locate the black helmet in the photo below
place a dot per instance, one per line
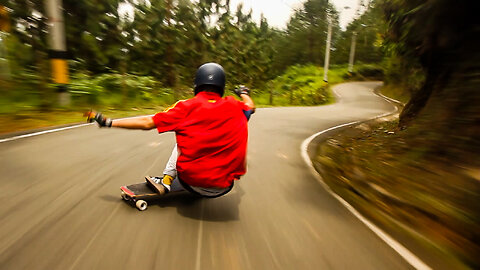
(211, 74)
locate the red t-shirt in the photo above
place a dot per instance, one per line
(212, 137)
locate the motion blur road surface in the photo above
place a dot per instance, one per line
(60, 205)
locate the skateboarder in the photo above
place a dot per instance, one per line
(211, 133)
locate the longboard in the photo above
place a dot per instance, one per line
(139, 194)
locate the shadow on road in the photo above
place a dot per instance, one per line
(219, 209)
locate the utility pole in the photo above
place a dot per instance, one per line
(352, 52)
(4, 65)
(4, 19)
(58, 49)
(4, 27)
(327, 49)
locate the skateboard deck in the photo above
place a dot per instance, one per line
(139, 194)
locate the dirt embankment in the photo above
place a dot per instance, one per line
(400, 181)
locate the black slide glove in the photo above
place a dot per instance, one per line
(241, 89)
(99, 118)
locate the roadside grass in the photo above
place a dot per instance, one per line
(23, 106)
(31, 119)
(301, 86)
(297, 86)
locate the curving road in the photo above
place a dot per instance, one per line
(60, 205)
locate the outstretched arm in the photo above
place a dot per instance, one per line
(144, 122)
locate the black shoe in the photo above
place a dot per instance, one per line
(157, 185)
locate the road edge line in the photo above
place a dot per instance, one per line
(53, 130)
(40, 133)
(406, 254)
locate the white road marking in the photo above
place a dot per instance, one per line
(399, 248)
(390, 99)
(199, 239)
(155, 144)
(337, 94)
(41, 132)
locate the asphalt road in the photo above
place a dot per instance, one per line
(60, 205)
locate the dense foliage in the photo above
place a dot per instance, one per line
(421, 45)
(368, 28)
(165, 40)
(299, 85)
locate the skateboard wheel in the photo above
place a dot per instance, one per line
(141, 205)
(124, 196)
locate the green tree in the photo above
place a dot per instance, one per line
(304, 40)
(93, 33)
(29, 34)
(369, 28)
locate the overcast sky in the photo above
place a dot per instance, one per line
(278, 12)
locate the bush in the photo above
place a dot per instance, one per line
(371, 71)
(299, 85)
(85, 90)
(116, 90)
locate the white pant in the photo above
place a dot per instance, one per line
(171, 169)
